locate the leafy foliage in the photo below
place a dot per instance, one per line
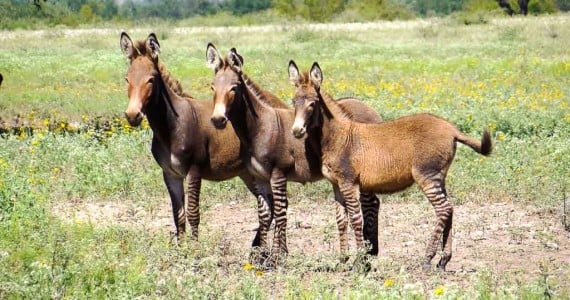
(315, 10)
(378, 10)
(28, 14)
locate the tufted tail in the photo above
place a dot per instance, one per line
(483, 147)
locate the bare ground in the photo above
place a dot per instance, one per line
(505, 239)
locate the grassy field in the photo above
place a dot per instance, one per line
(84, 213)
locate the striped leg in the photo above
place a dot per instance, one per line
(351, 194)
(370, 207)
(193, 184)
(434, 189)
(341, 219)
(279, 190)
(175, 188)
(262, 192)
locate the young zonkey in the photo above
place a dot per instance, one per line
(381, 158)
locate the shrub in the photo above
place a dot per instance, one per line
(379, 10)
(536, 7)
(314, 10)
(473, 6)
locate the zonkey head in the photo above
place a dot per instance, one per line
(141, 74)
(306, 98)
(227, 81)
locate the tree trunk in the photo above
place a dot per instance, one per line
(523, 4)
(38, 4)
(505, 5)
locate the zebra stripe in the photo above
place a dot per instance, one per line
(342, 225)
(279, 188)
(370, 206)
(434, 189)
(193, 184)
(262, 193)
(351, 195)
(341, 219)
(265, 217)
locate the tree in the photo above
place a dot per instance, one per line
(241, 7)
(526, 6)
(314, 10)
(38, 3)
(504, 4)
(523, 5)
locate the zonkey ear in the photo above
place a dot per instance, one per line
(316, 75)
(236, 60)
(127, 45)
(294, 77)
(153, 46)
(213, 57)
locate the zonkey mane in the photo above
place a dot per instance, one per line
(167, 78)
(340, 110)
(263, 95)
(335, 110)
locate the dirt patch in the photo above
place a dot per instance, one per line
(503, 238)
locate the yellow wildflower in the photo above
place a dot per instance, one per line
(248, 267)
(500, 136)
(35, 143)
(439, 290)
(22, 135)
(389, 282)
(258, 272)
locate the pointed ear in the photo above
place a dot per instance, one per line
(294, 76)
(236, 60)
(127, 45)
(316, 75)
(213, 58)
(153, 46)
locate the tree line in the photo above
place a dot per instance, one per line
(75, 12)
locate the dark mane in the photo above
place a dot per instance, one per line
(169, 80)
(340, 109)
(261, 94)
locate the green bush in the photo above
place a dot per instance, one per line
(536, 7)
(480, 5)
(366, 10)
(563, 5)
(314, 10)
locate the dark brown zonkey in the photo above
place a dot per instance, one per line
(381, 158)
(275, 155)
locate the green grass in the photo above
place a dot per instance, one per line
(512, 75)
